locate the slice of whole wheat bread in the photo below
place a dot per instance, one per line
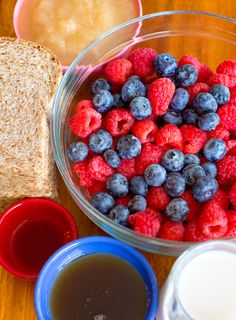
(29, 76)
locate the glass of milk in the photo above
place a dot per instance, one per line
(202, 284)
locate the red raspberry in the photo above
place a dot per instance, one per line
(171, 230)
(170, 136)
(84, 104)
(150, 153)
(232, 194)
(233, 134)
(213, 220)
(160, 93)
(81, 169)
(193, 234)
(85, 122)
(231, 215)
(98, 186)
(227, 67)
(194, 206)
(204, 73)
(226, 170)
(144, 223)
(156, 214)
(127, 168)
(194, 138)
(220, 132)
(142, 59)
(99, 169)
(195, 89)
(118, 71)
(188, 59)
(227, 114)
(145, 131)
(157, 198)
(217, 78)
(231, 232)
(222, 198)
(231, 147)
(123, 200)
(118, 122)
(233, 95)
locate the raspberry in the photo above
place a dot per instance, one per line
(204, 73)
(118, 122)
(217, 78)
(156, 214)
(232, 195)
(144, 223)
(99, 169)
(150, 153)
(118, 71)
(123, 200)
(222, 198)
(171, 230)
(192, 233)
(157, 198)
(233, 95)
(188, 59)
(170, 136)
(226, 170)
(160, 93)
(195, 89)
(194, 205)
(85, 122)
(231, 147)
(145, 131)
(127, 168)
(231, 232)
(213, 220)
(84, 104)
(194, 138)
(227, 67)
(227, 114)
(98, 186)
(220, 132)
(142, 59)
(231, 215)
(81, 169)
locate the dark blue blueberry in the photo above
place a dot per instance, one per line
(186, 75)
(103, 202)
(208, 121)
(214, 149)
(190, 116)
(117, 185)
(204, 102)
(100, 84)
(177, 210)
(137, 204)
(112, 158)
(128, 147)
(118, 102)
(131, 89)
(191, 159)
(138, 185)
(173, 160)
(192, 172)
(140, 108)
(165, 64)
(155, 175)
(100, 141)
(204, 189)
(220, 93)
(175, 184)
(210, 169)
(180, 99)
(119, 214)
(103, 101)
(173, 117)
(77, 151)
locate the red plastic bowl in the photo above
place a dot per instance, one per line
(30, 231)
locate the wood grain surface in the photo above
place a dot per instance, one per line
(16, 296)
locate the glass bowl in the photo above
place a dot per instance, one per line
(212, 38)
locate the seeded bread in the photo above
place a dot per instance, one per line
(29, 76)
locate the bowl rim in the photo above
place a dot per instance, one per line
(124, 233)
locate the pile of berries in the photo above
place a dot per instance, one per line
(157, 146)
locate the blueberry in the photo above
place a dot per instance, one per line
(214, 149)
(103, 101)
(165, 64)
(131, 89)
(180, 99)
(117, 185)
(128, 147)
(118, 102)
(191, 159)
(204, 188)
(138, 185)
(172, 117)
(140, 108)
(137, 204)
(112, 158)
(220, 93)
(186, 75)
(103, 202)
(192, 172)
(155, 175)
(190, 116)
(173, 160)
(175, 184)
(208, 121)
(204, 102)
(100, 84)
(134, 76)
(100, 141)
(177, 210)
(119, 214)
(210, 169)
(77, 151)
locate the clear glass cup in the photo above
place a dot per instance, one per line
(212, 38)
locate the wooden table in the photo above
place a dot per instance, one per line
(16, 296)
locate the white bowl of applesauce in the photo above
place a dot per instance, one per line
(67, 27)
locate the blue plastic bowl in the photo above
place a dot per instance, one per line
(86, 246)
